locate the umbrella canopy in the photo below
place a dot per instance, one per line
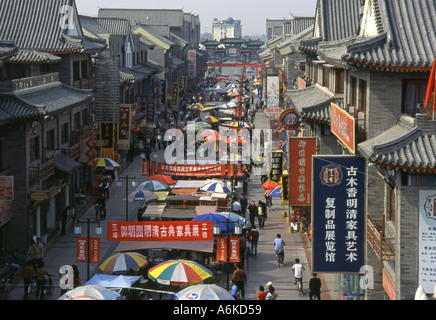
(238, 124)
(194, 126)
(218, 219)
(204, 292)
(276, 193)
(107, 164)
(179, 273)
(153, 185)
(196, 106)
(122, 262)
(233, 217)
(270, 185)
(200, 119)
(204, 125)
(142, 196)
(91, 292)
(165, 179)
(112, 281)
(211, 119)
(217, 187)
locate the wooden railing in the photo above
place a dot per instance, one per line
(383, 247)
(74, 151)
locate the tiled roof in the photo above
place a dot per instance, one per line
(36, 25)
(312, 103)
(33, 56)
(13, 108)
(411, 143)
(7, 49)
(407, 35)
(115, 26)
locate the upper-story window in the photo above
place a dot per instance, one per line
(413, 95)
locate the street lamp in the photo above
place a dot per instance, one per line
(98, 231)
(134, 184)
(217, 232)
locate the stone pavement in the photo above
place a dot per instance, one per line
(260, 269)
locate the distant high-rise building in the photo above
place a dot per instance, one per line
(222, 29)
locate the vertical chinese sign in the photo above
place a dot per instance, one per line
(192, 64)
(82, 250)
(124, 128)
(301, 151)
(427, 240)
(174, 95)
(343, 127)
(222, 248)
(338, 214)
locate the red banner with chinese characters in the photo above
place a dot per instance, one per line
(160, 231)
(145, 167)
(301, 151)
(94, 250)
(82, 249)
(221, 249)
(181, 170)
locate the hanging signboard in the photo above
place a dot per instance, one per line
(343, 127)
(272, 92)
(124, 128)
(7, 188)
(150, 109)
(182, 170)
(145, 168)
(160, 231)
(338, 214)
(276, 166)
(427, 240)
(290, 119)
(234, 250)
(301, 151)
(82, 250)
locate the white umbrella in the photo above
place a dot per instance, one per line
(204, 292)
(91, 292)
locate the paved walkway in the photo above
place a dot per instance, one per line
(260, 269)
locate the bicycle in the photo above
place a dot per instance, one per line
(299, 286)
(280, 258)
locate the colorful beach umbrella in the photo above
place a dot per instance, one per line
(180, 273)
(107, 164)
(120, 263)
(276, 193)
(211, 119)
(270, 185)
(193, 126)
(165, 179)
(196, 106)
(217, 219)
(153, 185)
(142, 196)
(91, 292)
(204, 292)
(200, 119)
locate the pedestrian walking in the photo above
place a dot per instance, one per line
(253, 235)
(252, 212)
(37, 253)
(102, 206)
(272, 295)
(244, 203)
(104, 187)
(314, 288)
(262, 294)
(40, 275)
(64, 219)
(261, 214)
(27, 273)
(234, 290)
(240, 278)
(236, 206)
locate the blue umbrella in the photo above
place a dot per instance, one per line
(276, 193)
(233, 217)
(216, 219)
(153, 185)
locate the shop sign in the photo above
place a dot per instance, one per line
(40, 195)
(290, 119)
(427, 240)
(7, 188)
(221, 252)
(82, 250)
(301, 151)
(338, 214)
(160, 231)
(343, 127)
(181, 170)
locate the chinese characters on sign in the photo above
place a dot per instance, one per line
(160, 231)
(276, 166)
(192, 63)
(124, 128)
(82, 250)
(427, 240)
(338, 221)
(191, 170)
(221, 251)
(343, 127)
(301, 151)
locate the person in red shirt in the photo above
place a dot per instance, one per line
(262, 294)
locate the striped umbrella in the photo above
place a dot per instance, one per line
(211, 119)
(180, 273)
(142, 196)
(196, 106)
(153, 185)
(200, 119)
(204, 292)
(107, 163)
(217, 187)
(122, 262)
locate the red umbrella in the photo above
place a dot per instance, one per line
(271, 185)
(162, 178)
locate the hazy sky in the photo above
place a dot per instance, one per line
(252, 13)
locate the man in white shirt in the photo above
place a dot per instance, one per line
(236, 207)
(298, 269)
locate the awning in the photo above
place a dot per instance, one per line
(201, 246)
(189, 184)
(183, 191)
(176, 213)
(66, 164)
(205, 209)
(154, 211)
